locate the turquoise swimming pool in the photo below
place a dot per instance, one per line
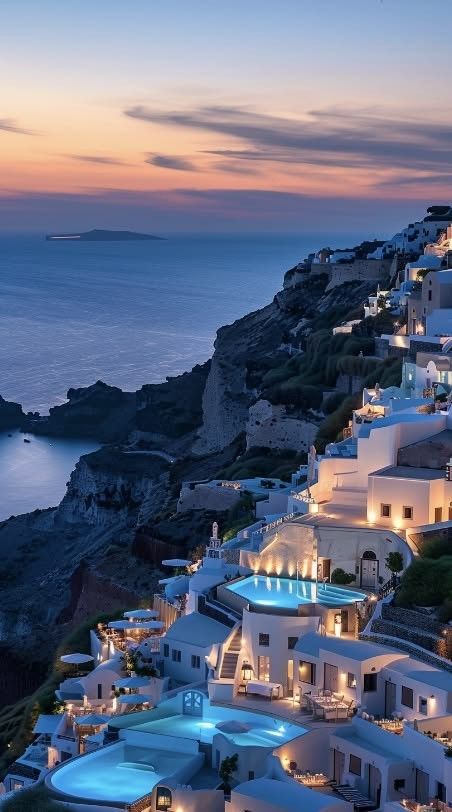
(287, 593)
(264, 730)
(120, 772)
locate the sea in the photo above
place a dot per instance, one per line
(127, 313)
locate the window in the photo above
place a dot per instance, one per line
(264, 639)
(354, 765)
(164, 799)
(165, 650)
(370, 683)
(430, 296)
(263, 668)
(306, 672)
(385, 511)
(99, 690)
(407, 512)
(195, 661)
(176, 655)
(423, 705)
(291, 642)
(438, 514)
(351, 680)
(399, 784)
(250, 775)
(407, 697)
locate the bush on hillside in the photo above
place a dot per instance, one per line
(426, 582)
(331, 428)
(333, 402)
(436, 546)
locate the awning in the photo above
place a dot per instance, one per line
(47, 723)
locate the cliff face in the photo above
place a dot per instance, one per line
(11, 415)
(113, 486)
(103, 412)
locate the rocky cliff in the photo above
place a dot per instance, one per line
(11, 415)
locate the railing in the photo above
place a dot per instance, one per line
(217, 611)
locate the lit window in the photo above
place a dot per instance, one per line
(306, 672)
(351, 680)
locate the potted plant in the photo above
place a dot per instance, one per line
(227, 767)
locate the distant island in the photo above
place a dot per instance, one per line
(103, 235)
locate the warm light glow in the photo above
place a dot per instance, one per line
(372, 516)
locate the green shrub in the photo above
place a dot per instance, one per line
(426, 582)
(333, 402)
(436, 547)
(339, 576)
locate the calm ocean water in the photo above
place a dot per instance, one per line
(128, 313)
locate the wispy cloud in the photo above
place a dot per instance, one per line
(9, 125)
(98, 159)
(331, 137)
(236, 168)
(171, 162)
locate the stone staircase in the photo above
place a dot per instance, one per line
(231, 655)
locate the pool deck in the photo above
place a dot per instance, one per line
(282, 708)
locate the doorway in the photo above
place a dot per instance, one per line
(374, 784)
(390, 698)
(192, 703)
(369, 570)
(422, 784)
(338, 766)
(330, 675)
(290, 677)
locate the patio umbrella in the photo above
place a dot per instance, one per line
(134, 699)
(131, 682)
(120, 624)
(176, 562)
(141, 614)
(232, 726)
(92, 720)
(76, 658)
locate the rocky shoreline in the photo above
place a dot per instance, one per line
(196, 425)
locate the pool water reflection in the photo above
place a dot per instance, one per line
(288, 593)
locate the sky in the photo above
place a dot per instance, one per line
(249, 115)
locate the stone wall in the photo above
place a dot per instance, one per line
(385, 639)
(412, 635)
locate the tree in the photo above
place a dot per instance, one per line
(227, 767)
(394, 562)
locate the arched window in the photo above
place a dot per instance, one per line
(369, 555)
(163, 799)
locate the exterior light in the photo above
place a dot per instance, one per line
(372, 516)
(247, 671)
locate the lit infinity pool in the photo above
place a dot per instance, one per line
(118, 773)
(263, 730)
(287, 593)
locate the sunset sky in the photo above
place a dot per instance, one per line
(195, 115)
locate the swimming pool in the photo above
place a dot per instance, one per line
(120, 772)
(287, 593)
(265, 730)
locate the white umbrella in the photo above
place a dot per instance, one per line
(131, 682)
(141, 614)
(76, 658)
(134, 699)
(120, 624)
(92, 720)
(176, 562)
(233, 726)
